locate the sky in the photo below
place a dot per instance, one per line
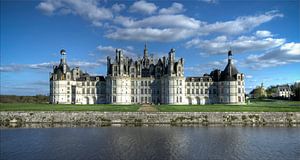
(264, 37)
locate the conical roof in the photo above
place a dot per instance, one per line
(229, 73)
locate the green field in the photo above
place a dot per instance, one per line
(254, 106)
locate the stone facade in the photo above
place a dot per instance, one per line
(146, 80)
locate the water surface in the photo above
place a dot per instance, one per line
(165, 142)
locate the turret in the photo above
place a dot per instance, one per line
(171, 61)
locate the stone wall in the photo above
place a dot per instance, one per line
(151, 117)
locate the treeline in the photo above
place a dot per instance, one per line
(24, 99)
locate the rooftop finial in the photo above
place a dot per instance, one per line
(63, 52)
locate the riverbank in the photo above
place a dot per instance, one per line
(107, 118)
(254, 106)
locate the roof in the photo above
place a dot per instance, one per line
(229, 73)
(197, 79)
(60, 67)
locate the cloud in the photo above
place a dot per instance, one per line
(151, 34)
(47, 66)
(285, 54)
(206, 68)
(118, 7)
(209, 1)
(263, 34)
(143, 7)
(249, 76)
(159, 21)
(169, 28)
(241, 24)
(89, 10)
(110, 51)
(222, 44)
(174, 9)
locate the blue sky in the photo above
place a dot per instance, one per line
(264, 37)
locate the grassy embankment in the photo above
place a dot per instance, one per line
(254, 106)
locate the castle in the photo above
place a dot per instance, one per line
(145, 80)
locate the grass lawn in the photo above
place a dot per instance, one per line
(254, 106)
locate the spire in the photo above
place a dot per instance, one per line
(145, 51)
(229, 56)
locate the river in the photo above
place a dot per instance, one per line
(151, 142)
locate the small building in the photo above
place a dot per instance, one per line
(284, 91)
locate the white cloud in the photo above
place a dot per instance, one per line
(174, 9)
(118, 7)
(110, 51)
(249, 76)
(275, 57)
(241, 24)
(263, 34)
(46, 7)
(47, 66)
(168, 28)
(222, 44)
(151, 34)
(207, 67)
(159, 21)
(143, 7)
(89, 10)
(209, 1)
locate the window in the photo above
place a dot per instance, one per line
(93, 90)
(146, 83)
(188, 91)
(132, 83)
(149, 91)
(132, 91)
(114, 98)
(192, 91)
(142, 83)
(83, 91)
(132, 99)
(239, 83)
(88, 84)
(239, 90)
(205, 84)
(188, 84)
(197, 91)
(180, 99)
(114, 90)
(142, 91)
(83, 83)
(88, 91)
(180, 91)
(206, 91)
(180, 82)
(114, 82)
(146, 91)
